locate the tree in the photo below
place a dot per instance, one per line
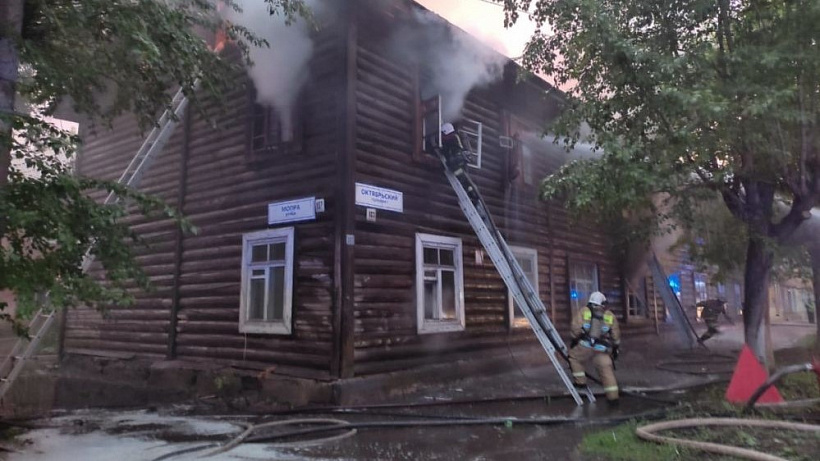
(101, 59)
(690, 98)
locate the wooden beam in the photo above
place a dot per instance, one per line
(180, 237)
(344, 263)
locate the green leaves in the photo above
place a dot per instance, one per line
(101, 59)
(687, 98)
(52, 219)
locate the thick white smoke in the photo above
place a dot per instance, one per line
(279, 70)
(456, 61)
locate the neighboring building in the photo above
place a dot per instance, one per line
(792, 301)
(348, 292)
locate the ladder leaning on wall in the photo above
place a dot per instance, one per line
(524, 294)
(42, 321)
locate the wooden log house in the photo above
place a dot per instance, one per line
(344, 291)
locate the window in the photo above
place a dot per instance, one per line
(701, 293)
(439, 284)
(430, 123)
(267, 282)
(270, 131)
(527, 258)
(472, 135)
(583, 281)
(701, 290)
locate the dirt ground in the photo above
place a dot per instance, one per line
(157, 434)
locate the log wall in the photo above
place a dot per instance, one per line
(386, 335)
(193, 313)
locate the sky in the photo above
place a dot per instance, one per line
(485, 21)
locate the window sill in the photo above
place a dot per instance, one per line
(432, 327)
(265, 328)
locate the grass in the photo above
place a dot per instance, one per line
(799, 386)
(621, 444)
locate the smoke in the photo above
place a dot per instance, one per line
(557, 151)
(280, 69)
(456, 62)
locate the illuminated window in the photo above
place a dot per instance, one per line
(527, 258)
(701, 289)
(267, 282)
(439, 284)
(583, 281)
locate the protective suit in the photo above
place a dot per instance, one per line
(456, 157)
(712, 310)
(597, 336)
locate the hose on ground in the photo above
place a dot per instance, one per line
(773, 379)
(334, 424)
(350, 429)
(649, 433)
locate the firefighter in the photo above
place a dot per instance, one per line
(455, 156)
(712, 309)
(596, 335)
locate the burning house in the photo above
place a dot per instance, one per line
(329, 242)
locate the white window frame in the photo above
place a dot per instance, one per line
(526, 252)
(596, 282)
(472, 133)
(269, 236)
(425, 326)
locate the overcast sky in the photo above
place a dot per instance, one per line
(485, 21)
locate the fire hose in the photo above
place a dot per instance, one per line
(349, 429)
(780, 374)
(649, 432)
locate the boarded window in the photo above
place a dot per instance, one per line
(439, 284)
(267, 282)
(527, 258)
(583, 281)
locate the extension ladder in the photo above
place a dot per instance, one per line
(671, 301)
(522, 291)
(44, 318)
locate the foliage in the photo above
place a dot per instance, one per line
(131, 51)
(686, 97)
(689, 99)
(53, 220)
(99, 59)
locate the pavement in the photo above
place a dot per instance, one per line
(528, 389)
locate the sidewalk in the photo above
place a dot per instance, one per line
(649, 362)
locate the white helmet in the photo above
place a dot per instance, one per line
(447, 128)
(597, 298)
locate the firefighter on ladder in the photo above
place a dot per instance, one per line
(596, 335)
(456, 157)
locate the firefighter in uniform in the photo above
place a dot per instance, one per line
(596, 335)
(712, 309)
(456, 157)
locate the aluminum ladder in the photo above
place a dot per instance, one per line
(522, 290)
(44, 318)
(671, 301)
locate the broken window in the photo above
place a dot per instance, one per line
(527, 258)
(439, 282)
(271, 131)
(267, 282)
(583, 281)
